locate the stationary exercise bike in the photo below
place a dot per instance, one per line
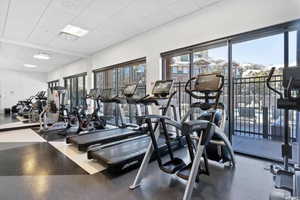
(286, 178)
(88, 115)
(56, 118)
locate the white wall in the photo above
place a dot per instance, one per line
(78, 67)
(226, 18)
(19, 85)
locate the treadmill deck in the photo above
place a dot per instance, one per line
(100, 137)
(124, 153)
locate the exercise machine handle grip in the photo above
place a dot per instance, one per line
(187, 86)
(269, 80)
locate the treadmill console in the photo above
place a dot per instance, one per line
(162, 88)
(106, 93)
(129, 90)
(93, 93)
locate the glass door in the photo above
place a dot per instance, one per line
(177, 68)
(211, 60)
(258, 124)
(75, 91)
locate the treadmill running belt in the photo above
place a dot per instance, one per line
(118, 153)
(83, 141)
(117, 156)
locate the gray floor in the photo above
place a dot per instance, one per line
(4, 119)
(249, 181)
(36, 171)
(262, 148)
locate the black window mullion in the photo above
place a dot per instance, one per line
(191, 68)
(117, 80)
(77, 90)
(230, 92)
(298, 48)
(95, 79)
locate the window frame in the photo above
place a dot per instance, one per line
(284, 28)
(118, 66)
(70, 79)
(53, 83)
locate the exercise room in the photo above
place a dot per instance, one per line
(149, 99)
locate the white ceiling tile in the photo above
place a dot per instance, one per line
(72, 7)
(99, 11)
(22, 17)
(15, 56)
(57, 16)
(181, 8)
(3, 11)
(38, 23)
(203, 3)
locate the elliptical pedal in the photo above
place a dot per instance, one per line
(173, 166)
(184, 173)
(284, 180)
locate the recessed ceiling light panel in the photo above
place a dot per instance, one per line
(74, 30)
(68, 36)
(30, 65)
(42, 56)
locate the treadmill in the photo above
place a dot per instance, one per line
(84, 141)
(125, 154)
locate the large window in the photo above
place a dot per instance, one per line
(52, 84)
(75, 90)
(181, 67)
(106, 80)
(116, 77)
(255, 125)
(255, 112)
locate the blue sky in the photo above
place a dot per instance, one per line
(266, 51)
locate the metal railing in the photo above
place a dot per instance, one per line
(255, 112)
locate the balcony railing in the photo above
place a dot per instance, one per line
(255, 112)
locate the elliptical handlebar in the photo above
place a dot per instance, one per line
(269, 80)
(143, 98)
(169, 103)
(222, 81)
(188, 84)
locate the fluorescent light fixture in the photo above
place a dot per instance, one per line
(74, 30)
(30, 65)
(68, 36)
(42, 56)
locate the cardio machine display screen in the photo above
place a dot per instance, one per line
(106, 93)
(162, 87)
(129, 89)
(93, 93)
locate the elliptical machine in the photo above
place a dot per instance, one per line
(37, 107)
(286, 178)
(202, 135)
(55, 117)
(31, 107)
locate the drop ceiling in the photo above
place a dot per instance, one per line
(28, 27)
